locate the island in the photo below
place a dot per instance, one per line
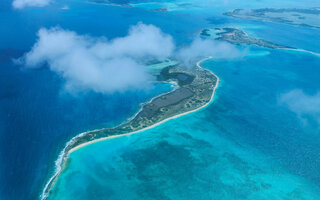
(238, 37)
(122, 3)
(294, 16)
(127, 3)
(195, 89)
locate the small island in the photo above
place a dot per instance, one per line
(122, 3)
(126, 3)
(195, 89)
(238, 37)
(294, 16)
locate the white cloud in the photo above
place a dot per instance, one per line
(20, 4)
(97, 64)
(106, 66)
(305, 106)
(200, 48)
(65, 7)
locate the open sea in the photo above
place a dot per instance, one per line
(247, 144)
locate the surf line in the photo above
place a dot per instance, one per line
(60, 163)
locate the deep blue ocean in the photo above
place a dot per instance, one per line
(245, 145)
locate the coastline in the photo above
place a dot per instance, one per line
(245, 39)
(60, 162)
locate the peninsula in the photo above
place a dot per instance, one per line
(195, 90)
(309, 17)
(238, 37)
(126, 3)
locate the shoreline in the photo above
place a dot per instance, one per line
(60, 162)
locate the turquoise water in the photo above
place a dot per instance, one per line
(245, 138)
(245, 145)
(37, 118)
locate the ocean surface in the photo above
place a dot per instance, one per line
(242, 146)
(247, 144)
